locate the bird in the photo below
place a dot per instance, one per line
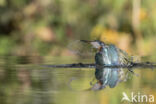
(108, 54)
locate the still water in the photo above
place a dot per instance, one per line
(25, 81)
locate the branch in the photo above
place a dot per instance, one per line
(92, 65)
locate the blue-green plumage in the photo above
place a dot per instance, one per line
(107, 55)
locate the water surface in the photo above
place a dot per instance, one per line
(23, 80)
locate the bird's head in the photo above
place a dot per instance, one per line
(95, 43)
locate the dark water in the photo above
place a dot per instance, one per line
(25, 81)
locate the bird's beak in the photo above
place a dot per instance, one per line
(95, 44)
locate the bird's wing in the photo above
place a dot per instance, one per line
(124, 58)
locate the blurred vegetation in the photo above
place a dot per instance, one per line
(37, 27)
(33, 28)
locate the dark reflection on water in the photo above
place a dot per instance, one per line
(29, 83)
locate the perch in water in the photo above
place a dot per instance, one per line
(109, 64)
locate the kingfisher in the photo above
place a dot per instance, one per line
(108, 54)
